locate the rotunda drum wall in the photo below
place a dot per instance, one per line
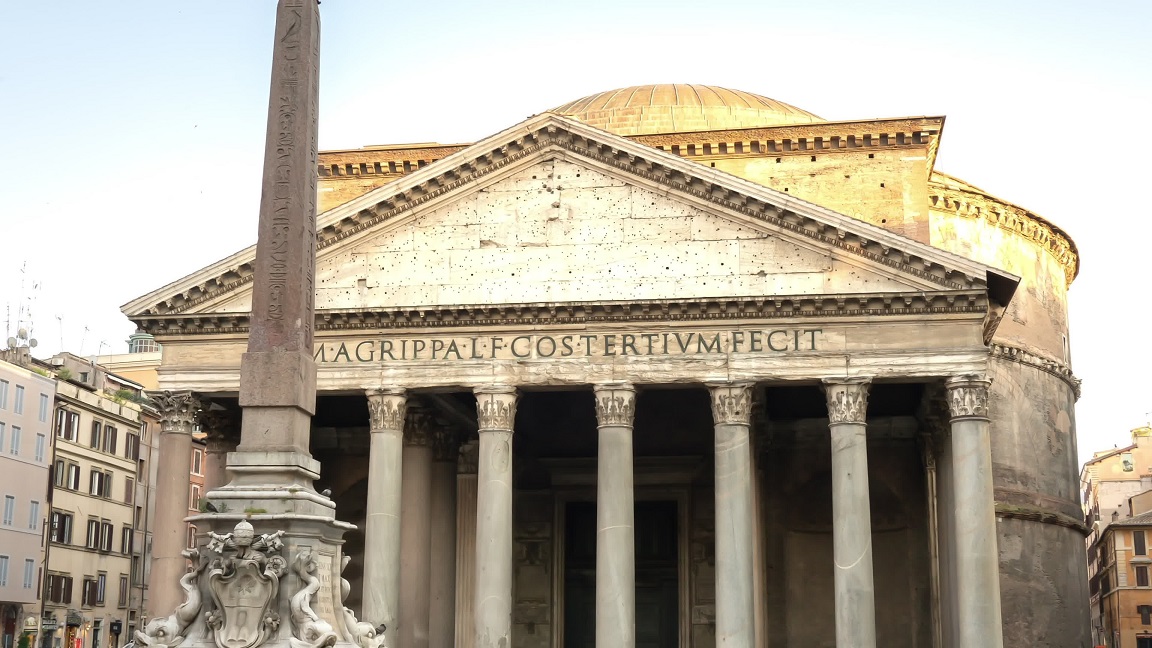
(1037, 318)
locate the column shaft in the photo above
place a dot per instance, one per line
(387, 411)
(731, 412)
(169, 538)
(466, 545)
(415, 532)
(977, 557)
(496, 409)
(442, 579)
(851, 514)
(615, 518)
(222, 429)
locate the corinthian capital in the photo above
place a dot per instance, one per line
(847, 400)
(386, 409)
(615, 404)
(731, 403)
(496, 407)
(177, 410)
(968, 396)
(418, 427)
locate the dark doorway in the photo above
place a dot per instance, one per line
(657, 575)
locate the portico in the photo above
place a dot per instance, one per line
(637, 402)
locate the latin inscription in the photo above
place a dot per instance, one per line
(575, 345)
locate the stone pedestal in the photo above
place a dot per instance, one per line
(169, 538)
(851, 514)
(466, 544)
(976, 554)
(496, 411)
(731, 412)
(615, 517)
(387, 409)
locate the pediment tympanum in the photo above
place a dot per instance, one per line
(555, 212)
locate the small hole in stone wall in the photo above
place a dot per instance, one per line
(577, 175)
(785, 188)
(713, 165)
(813, 158)
(778, 160)
(881, 185)
(883, 220)
(871, 155)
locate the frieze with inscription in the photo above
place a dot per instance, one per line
(575, 345)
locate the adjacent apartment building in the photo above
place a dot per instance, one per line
(96, 560)
(26, 399)
(1117, 490)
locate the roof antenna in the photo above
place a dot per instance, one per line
(83, 339)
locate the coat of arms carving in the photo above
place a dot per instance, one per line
(244, 581)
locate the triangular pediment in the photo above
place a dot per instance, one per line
(554, 212)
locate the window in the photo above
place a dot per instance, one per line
(1138, 542)
(100, 483)
(194, 498)
(44, 401)
(59, 589)
(126, 540)
(73, 481)
(41, 442)
(88, 593)
(191, 535)
(3, 394)
(197, 462)
(1145, 612)
(92, 540)
(3, 571)
(61, 530)
(1142, 576)
(101, 588)
(67, 424)
(1, 436)
(18, 402)
(122, 598)
(132, 446)
(9, 509)
(110, 439)
(29, 572)
(129, 489)
(15, 447)
(106, 533)
(34, 516)
(97, 428)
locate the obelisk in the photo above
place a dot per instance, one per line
(277, 374)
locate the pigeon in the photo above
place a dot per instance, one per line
(209, 506)
(327, 492)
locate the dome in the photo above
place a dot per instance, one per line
(680, 107)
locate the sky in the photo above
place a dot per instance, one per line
(132, 132)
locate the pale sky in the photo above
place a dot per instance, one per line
(132, 131)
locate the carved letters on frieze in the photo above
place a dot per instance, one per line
(847, 400)
(731, 403)
(615, 404)
(496, 408)
(968, 396)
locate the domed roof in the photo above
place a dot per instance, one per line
(680, 107)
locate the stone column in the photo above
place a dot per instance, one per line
(177, 414)
(496, 411)
(415, 530)
(466, 544)
(442, 579)
(731, 411)
(851, 513)
(221, 427)
(615, 518)
(387, 410)
(976, 554)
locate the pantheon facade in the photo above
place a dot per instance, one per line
(678, 366)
